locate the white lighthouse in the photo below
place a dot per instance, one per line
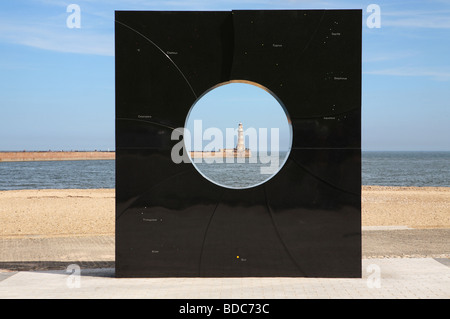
(238, 151)
(240, 148)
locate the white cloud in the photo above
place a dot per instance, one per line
(416, 19)
(437, 74)
(383, 56)
(57, 37)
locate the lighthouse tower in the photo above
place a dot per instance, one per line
(240, 148)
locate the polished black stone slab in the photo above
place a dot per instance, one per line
(306, 220)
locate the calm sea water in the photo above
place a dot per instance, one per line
(242, 175)
(57, 174)
(378, 168)
(406, 168)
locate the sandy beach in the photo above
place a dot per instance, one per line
(68, 212)
(414, 207)
(75, 212)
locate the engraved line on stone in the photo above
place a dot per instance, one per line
(167, 56)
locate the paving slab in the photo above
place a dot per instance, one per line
(404, 278)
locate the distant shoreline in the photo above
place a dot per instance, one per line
(56, 156)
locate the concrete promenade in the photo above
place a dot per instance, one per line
(392, 267)
(404, 278)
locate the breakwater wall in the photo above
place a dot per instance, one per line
(55, 156)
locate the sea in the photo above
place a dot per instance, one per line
(378, 168)
(242, 172)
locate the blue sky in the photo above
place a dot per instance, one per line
(57, 84)
(224, 107)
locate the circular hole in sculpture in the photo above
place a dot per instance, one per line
(238, 135)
